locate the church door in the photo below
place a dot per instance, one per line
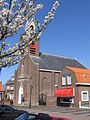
(20, 94)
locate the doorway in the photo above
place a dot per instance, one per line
(42, 99)
(20, 94)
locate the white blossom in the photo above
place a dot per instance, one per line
(13, 15)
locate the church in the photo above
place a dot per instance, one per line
(37, 78)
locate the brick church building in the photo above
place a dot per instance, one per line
(43, 79)
(38, 77)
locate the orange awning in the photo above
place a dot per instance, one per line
(64, 92)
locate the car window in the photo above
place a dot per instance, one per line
(23, 117)
(26, 116)
(31, 117)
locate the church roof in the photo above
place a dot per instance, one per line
(57, 63)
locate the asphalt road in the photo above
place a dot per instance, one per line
(73, 113)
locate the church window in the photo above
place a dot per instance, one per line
(22, 67)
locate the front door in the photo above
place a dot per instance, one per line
(20, 94)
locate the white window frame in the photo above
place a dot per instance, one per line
(87, 95)
(68, 80)
(63, 83)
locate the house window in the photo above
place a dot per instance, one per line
(84, 95)
(63, 80)
(68, 80)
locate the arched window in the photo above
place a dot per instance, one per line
(22, 68)
(63, 80)
(68, 79)
(45, 86)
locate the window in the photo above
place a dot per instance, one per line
(8, 87)
(84, 95)
(22, 67)
(68, 80)
(63, 80)
(66, 100)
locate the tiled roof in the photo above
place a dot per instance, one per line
(1, 88)
(82, 75)
(52, 62)
(10, 82)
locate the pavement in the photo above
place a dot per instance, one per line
(64, 112)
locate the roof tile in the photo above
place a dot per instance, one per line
(82, 75)
(52, 62)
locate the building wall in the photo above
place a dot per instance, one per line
(48, 80)
(78, 89)
(83, 103)
(10, 90)
(29, 78)
(65, 72)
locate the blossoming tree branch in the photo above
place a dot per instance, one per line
(14, 14)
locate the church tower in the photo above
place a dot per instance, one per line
(30, 25)
(34, 47)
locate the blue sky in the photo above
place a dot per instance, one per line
(68, 35)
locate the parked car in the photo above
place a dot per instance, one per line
(9, 113)
(40, 116)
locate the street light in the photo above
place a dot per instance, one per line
(56, 86)
(31, 87)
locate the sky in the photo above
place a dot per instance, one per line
(68, 35)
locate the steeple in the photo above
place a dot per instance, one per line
(34, 47)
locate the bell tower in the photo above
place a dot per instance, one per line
(30, 25)
(34, 47)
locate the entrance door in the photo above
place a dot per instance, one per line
(20, 94)
(42, 99)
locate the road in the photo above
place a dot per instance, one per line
(73, 113)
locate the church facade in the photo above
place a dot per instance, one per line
(38, 77)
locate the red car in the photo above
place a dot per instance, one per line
(58, 118)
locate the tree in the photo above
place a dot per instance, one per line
(14, 14)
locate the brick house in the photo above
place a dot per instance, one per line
(10, 88)
(1, 91)
(74, 87)
(36, 78)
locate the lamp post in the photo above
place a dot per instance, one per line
(31, 87)
(56, 87)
